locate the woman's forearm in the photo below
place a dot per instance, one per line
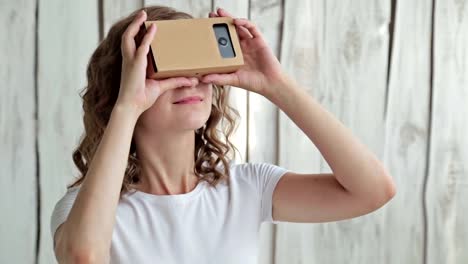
(356, 168)
(91, 220)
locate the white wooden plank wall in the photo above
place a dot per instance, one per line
(18, 160)
(115, 10)
(67, 36)
(447, 185)
(394, 72)
(407, 132)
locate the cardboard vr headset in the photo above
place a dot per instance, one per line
(193, 47)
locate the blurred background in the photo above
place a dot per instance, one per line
(394, 72)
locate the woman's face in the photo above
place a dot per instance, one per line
(166, 114)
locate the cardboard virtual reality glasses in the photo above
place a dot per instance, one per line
(193, 47)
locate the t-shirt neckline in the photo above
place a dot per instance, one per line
(168, 198)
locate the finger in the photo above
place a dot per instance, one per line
(249, 25)
(223, 13)
(221, 79)
(212, 14)
(144, 47)
(128, 37)
(174, 82)
(243, 32)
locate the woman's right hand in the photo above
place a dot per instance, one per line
(136, 91)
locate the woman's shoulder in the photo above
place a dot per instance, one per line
(255, 167)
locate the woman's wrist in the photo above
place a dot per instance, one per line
(280, 86)
(127, 112)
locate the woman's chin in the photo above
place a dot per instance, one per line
(190, 124)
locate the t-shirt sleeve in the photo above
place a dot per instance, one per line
(265, 177)
(62, 209)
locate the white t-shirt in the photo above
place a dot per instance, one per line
(205, 225)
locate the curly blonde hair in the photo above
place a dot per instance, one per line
(100, 95)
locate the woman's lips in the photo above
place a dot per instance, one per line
(190, 101)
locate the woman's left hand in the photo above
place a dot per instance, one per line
(261, 70)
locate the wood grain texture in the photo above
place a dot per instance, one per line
(338, 52)
(407, 132)
(64, 50)
(447, 187)
(196, 8)
(115, 10)
(18, 206)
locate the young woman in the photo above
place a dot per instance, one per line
(156, 184)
